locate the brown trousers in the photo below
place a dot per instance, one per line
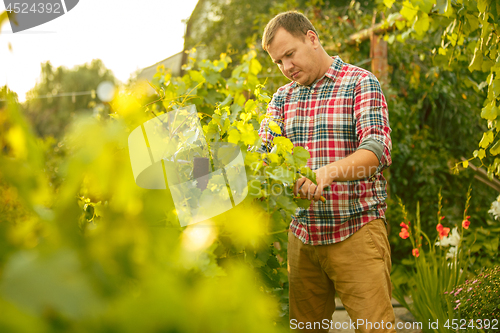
(358, 269)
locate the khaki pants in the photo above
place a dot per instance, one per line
(357, 268)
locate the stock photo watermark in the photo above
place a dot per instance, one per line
(353, 325)
(338, 187)
(26, 14)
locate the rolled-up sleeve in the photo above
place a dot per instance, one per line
(372, 120)
(274, 113)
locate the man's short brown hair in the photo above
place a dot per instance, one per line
(297, 24)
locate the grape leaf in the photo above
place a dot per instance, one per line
(495, 150)
(486, 140)
(408, 11)
(283, 144)
(389, 3)
(300, 156)
(489, 112)
(274, 127)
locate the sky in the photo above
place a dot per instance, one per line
(126, 35)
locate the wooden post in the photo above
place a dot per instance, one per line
(378, 52)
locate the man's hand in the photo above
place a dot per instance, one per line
(308, 190)
(359, 165)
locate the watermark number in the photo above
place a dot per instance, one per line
(41, 7)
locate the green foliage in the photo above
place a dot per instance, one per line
(468, 38)
(483, 247)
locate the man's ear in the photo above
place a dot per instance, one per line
(312, 37)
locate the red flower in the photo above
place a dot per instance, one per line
(465, 224)
(443, 232)
(404, 233)
(415, 252)
(442, 218)
(404, 225)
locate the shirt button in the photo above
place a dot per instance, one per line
(307, 147)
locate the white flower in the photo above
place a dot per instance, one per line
(495, 208)
(452, 253)
(452, 239)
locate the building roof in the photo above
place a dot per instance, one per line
(173, 63)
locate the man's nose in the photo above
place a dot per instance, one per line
(287, 66)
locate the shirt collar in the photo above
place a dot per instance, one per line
(335, 68)
(332, 72)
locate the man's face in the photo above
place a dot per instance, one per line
(296, 57)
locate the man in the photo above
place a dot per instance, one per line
(339, 114)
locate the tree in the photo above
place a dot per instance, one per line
(50, 114)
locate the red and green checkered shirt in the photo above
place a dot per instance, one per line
(331, 119)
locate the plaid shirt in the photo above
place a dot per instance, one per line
(330, 119)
